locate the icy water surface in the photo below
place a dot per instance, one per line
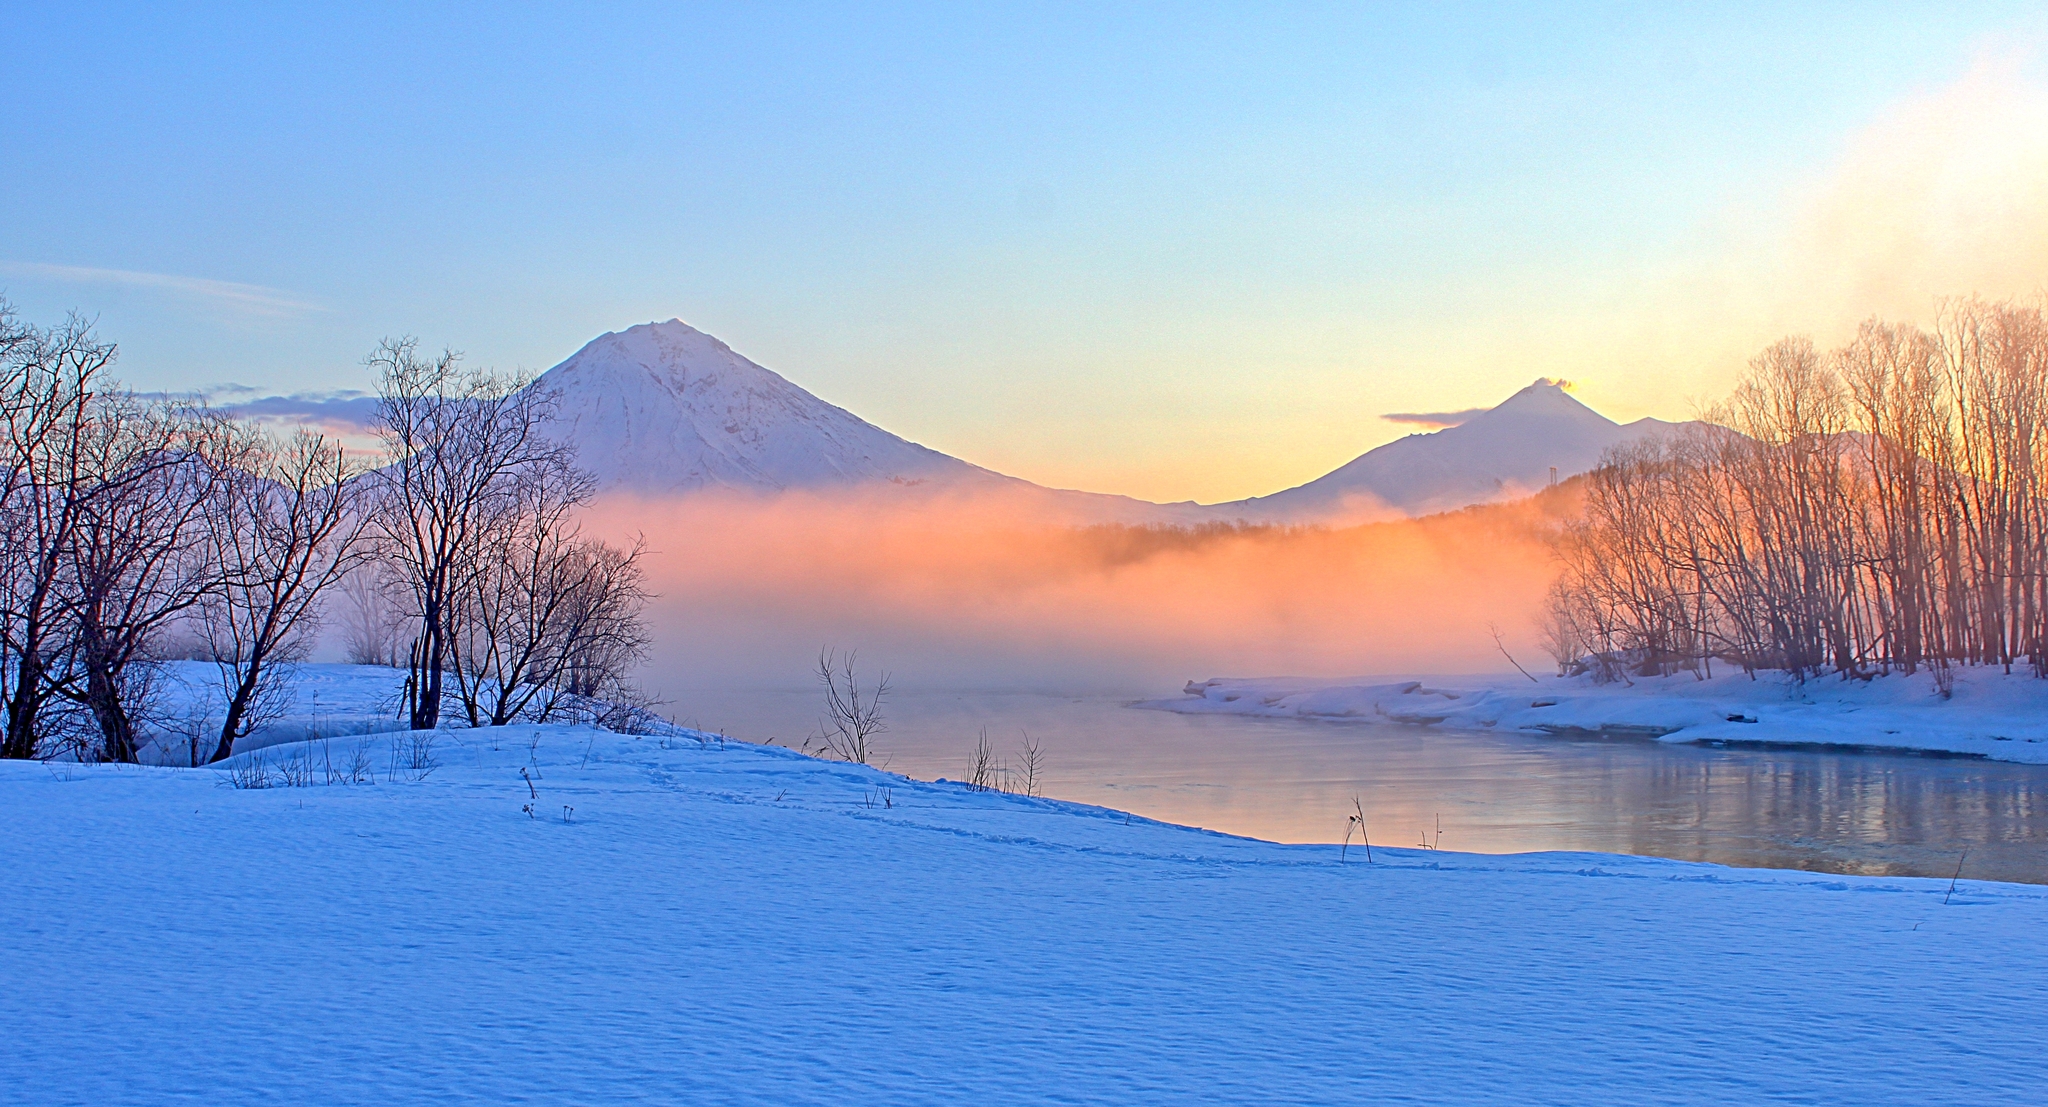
(1293, 781)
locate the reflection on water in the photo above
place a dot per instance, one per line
(1293, 781)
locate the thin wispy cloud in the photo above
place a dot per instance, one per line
(247, 299)
(1437, 419)
(345, 412)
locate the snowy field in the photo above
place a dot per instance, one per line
(1990, 714)
(323, 701)
(676, 920)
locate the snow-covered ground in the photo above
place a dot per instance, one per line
(323, 701)
(680, 919)
(1990, 714)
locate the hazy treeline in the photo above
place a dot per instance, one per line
(1114, 544)
(135, 528)
(1879, 507)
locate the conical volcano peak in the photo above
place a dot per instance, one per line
(674, 331)
(663, 407)
(1509, 450)
(673, 349)
(1547, 396)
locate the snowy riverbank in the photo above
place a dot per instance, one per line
(1991, 714)
(681, 919)
(320, 701)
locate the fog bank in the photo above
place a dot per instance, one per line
(986, 593)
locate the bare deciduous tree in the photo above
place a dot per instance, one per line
(372, 630)
(552, 613)
(461, 443)
(48, 383)
(853, 713)
(136, 555)
(1031, 767)
(140, 566)
(284, 529)
(605, 635)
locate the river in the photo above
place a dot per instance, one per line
(1295, 781)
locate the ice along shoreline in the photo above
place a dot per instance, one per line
(1990, 714)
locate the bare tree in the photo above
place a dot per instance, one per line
(853, 714)
(48, 383)
(1560, 627)
(549, 607)
(461, 444)
(1031, 766)
(605, 636)
(371, 627)
(1902, 411)
(983, 772)
(136, 555)
(283, 530)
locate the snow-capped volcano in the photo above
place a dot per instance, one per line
(1499, 454)
(663, 408)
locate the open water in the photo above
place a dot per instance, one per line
(1488, 792)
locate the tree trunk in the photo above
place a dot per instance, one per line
(426, 670)
(19, 744)
(117, 730)
(238, 708)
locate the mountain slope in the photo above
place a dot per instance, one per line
(1501, 453)
(664, 408)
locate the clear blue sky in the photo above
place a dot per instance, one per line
(1172, 251)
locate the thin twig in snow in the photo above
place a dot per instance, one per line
(1502, 647)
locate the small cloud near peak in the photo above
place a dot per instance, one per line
(1439, 420)
(1433, 419)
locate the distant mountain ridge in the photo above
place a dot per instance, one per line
(1502, 453)
(662, 409)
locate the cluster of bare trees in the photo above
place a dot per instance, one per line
(132, 527)
(476, 518)
(124, 520)
(1880, 507)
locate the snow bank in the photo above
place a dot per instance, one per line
(322, 701)
(1991, 714)
(560, 915)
